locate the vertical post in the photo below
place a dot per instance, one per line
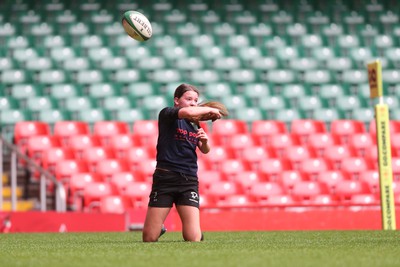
(43, 202)
(61, 198)
(13, 181)
(384, 148)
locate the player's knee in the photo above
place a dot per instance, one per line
(149, 237)
(192, 237)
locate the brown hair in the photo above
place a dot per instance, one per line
(183, 88)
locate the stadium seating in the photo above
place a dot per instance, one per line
(319, 142)
(235, 201)
(37, 146)
(25, 129)
(52, 155)
(112, 204)
(120, 180)
(92, 155)
(76, 186)
(93, 192)
(66, 168)
(220, 190)
(253, 155)
(346, 189)
(304, 191)
(106, 129)
(66, 129)
(262, 130)
(136, 194)
(78, 143)
(75, 87)
(289, 178)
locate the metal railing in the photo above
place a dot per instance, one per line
(45, 176)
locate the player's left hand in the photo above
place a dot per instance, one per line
(202, 135)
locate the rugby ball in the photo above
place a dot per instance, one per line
(137, 26)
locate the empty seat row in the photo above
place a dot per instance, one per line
(221, 129)
(92, 195)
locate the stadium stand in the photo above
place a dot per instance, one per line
(74, 87)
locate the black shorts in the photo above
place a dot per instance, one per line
(172, 187)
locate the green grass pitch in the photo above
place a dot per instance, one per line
(280, 248)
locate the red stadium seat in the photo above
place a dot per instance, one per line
(313, 166)
(279, 142)
(92, 155)
(246, 179)
(262, 130)
(223, 130)
(395, 143)
(205, 202)
(320, 141)
(214, 158)
(322, 200)
(371, 178)
(230, 168)
(261, 191)
(238, 142)
(81, 142)
(78, 181)
(336, 154)
(145, 132)
(396, 187)
(38, 144)
(364, 199)
(112, 204)
(93, 193)
(296, 153)
(283, 200)
(396, 168)
(345, 128)
(271, 168)
(330, 179)
(207, 177)
(145, 170)
(25, 129)
(68, 167)
(54, 154)
(106, 129)
(149, 141)
(220, 190)
(136, 194)
(345, 189)
(361, 142)
(66, 129)
(135, 155)
(354, 166)
(77, 184)
(371, 153)
(306, 190)
(235, 201)
(305, 127)
(289, 178)
(107, 167)
(119, 181)
(121, 143)
(252, 156)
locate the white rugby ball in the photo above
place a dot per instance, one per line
(137, 26)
